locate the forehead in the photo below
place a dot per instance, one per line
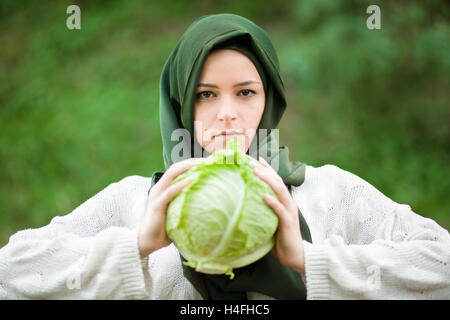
(222, 62)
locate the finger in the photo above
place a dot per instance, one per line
(260, 162)
(266, 165)
(264, 162)
(275, 205)
(173, 191)
(277, 185)
(287, 219)
(254, 163)
(176, 169)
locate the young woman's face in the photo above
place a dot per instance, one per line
(229, 102)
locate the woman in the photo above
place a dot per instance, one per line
(338, 236)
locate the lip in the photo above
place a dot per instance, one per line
(229, 133)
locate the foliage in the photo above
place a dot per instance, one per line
(220, 220)
(79, 108)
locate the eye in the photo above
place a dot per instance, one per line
(204, 95)
(246, 92)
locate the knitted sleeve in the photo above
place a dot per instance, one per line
(366, 246)
(88, 254)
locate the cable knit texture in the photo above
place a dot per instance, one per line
(364, 246)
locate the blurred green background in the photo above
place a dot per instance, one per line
(79, 108)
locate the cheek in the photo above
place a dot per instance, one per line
(261, 106)
(203, 120)
(200, 116)
(253, 113)
(203, 112)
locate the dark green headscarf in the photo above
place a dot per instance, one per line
(179, 80)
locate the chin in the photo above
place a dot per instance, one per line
(220, 144)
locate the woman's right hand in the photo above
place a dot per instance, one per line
(152, 232)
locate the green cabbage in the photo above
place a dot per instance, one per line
(220, 220)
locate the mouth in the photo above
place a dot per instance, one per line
(229, 133)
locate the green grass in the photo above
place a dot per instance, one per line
(79, 108)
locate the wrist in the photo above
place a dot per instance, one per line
(298, 264)
(144, 246)
(300, 268)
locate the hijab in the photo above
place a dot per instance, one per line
(178, 84)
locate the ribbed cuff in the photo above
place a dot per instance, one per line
(316, 270)
(131, 266)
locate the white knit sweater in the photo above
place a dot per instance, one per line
(364, 246)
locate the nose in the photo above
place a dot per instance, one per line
(227, 110)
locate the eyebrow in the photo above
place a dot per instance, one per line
(240, 84)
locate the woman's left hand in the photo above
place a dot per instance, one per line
(288, 248)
